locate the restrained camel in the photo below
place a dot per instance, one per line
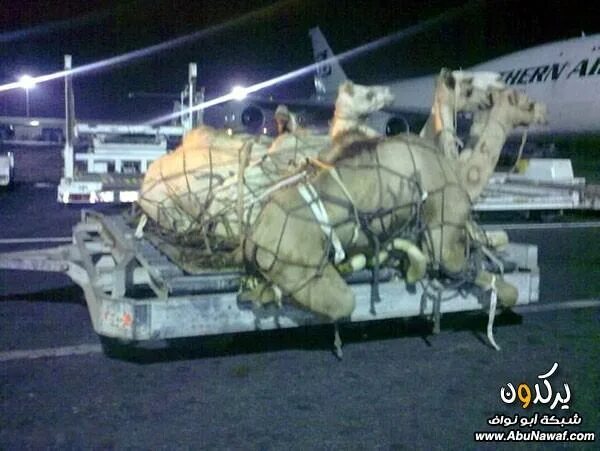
(398, 187)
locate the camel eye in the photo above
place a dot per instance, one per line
(469, 92)
(370, 95)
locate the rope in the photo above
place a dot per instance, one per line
(336, 177)
(277, 186)
(139, 230)
(520, 153)
(493, 258)
(337, 342)
(309, 194)
(492, 314)
(244, 159)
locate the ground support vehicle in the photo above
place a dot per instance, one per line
(546, 184)
(113, 165)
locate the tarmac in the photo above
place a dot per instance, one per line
(398, 386)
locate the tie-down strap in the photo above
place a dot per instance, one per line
(311, 197)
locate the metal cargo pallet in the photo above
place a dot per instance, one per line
(546, 184)
(134, 292)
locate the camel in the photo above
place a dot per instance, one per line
(399, 187)
(457, 91)
(177, 187)
(353, 104)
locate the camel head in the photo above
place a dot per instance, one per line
(467, 91)
(355, 101)
(514, 108)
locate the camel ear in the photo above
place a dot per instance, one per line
(450, 81)
(348, 86)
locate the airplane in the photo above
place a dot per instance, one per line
(564, 75)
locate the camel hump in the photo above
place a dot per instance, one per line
(348, 145)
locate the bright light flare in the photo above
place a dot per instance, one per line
(239, 93)
(27, 82)
(365, 48)
(252, 16)
(34, 123)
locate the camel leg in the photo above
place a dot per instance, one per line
(328, 294)
(447, 213)
(417, 260)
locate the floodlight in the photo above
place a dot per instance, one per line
(26, 82)
(239, 92)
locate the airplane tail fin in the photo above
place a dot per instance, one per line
(328, 74)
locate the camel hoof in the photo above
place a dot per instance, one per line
(497, 239)
(354, 263)
(508, 294)
(417, 260)
(260, 292)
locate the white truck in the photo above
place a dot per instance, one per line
(112, 166)
(110, 169)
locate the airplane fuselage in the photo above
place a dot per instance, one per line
(564, 75)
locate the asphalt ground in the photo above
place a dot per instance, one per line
(398, 386)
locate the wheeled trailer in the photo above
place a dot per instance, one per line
(134, 291)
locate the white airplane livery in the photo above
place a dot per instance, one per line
(565, 75)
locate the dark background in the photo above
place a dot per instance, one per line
(250, 41)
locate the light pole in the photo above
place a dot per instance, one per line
(27, 82)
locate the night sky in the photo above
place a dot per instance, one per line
(251, 41)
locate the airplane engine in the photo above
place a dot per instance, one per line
(243, 117)
(403, 123)
(396, 125)
(388, 124)
(253, 118)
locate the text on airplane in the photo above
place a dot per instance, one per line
(552, 72)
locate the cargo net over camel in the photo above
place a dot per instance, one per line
(300, 212)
